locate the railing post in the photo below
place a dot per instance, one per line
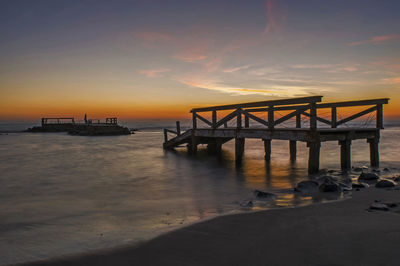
(214, 118)
(225, 125)
(194, 119)
(379, 116)
(313, 116)
(334, 117)
(239, 118)
(271, 121)
(165, 135)
(298, 121)
(178, 127)
(246, 121)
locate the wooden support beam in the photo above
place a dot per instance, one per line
(320, 119)
(218, 146)
(178, 128)
(271, 117)
(288, 116)
(165, 135)
(352, 117)
(313, 156)
(267, 148)
(246, 121)
(193, 145)
(239, 150)
(194, 119)
(379, 116)
(334, 117)
(345, 154)
(226, 119)
(225, 124)
(214, 118)
(293, 149)
(239, 119)
(313, 116)
(374, 151)
(255, 118)
(298, 121)
(204, 120)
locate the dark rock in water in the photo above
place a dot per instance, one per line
(263, 194)
(357, 169)
(391, 204)
(360, 185)
(385, 183)
(368, 176)
(330, 187)
(379, 206)
(347, 180)
(325, 179)
(331, 171)
(345, 187)
(246, 203)
(376, 170)
(307, 186)
(396, 179)
(386, 169)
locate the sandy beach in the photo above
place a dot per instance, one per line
(336, 233)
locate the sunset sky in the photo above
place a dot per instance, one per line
(157, 59)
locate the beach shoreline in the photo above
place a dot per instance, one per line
(335, 233)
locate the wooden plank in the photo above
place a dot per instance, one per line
(276, 108)
(271, 117)
(204, 120)
(260, 104)
(239, 119)
(313, 116)
(178, 127)
(214, 118)
(226, 119)
(345, 120)
(246, 121)
(255, 118)
(194, 119)
(298, 121)
(353, 103)
(288, 116)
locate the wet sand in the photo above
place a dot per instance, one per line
(337, 233)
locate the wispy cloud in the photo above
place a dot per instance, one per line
(274, 17)
(394, 80)
(332, 68)
(152, 38)
(153, 73)
(235, 69)
(377, 40)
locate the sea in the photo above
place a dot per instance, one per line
(62, 195)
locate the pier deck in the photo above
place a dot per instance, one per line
(216, 132)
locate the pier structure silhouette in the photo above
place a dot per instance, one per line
(302, 121)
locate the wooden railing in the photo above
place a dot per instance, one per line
(306, 106)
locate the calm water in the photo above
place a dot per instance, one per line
(62, 194)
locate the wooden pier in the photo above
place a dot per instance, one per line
(215, 132)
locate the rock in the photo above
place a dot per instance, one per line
(325, 179)
(396, 179)
(307, 186)
(357, 169)
(385, 183)
(368, 176)
(246, 203)
(379, 206)
(331, 171)
(360, 185)
(376, 170)
(263, 194)
(386, 169)
(345, 187)
(330, 187)
(391, 204)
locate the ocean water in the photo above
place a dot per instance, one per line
(62, 194)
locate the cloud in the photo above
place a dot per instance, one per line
(274, 17)
(331, 68)
(312, 66)
(152, 38)
(395, 80)
(153, 73)
(235, 69)
(377, 40)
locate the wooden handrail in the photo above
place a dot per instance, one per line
(260, 104)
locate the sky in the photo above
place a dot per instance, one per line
(159, 59)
